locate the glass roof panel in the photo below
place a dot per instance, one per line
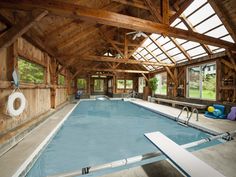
(179, 57)
(152, 47)
(193, 6)
(147, 42)
(201, 14)
(228, 38)
(212, 47)
(169, 45)
(155, 36)
(219, 50)
(163, 40)
(189, 45)
(148, 56)
(182, 26)
(162, 56)
(180, 41)
(143, 52)
(153, 60)
(177, 20)
(198, 56)
(157, 52)
(174, 51)
(196, 51)
(208, 24)
(218, 32)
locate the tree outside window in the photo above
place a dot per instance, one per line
(161, 84)
(30, 72)
(120, 84)
(129, 84)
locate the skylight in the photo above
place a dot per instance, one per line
(200, 17)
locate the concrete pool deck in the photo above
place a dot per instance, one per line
(222, 157)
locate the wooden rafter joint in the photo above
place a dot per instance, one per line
(20, 28)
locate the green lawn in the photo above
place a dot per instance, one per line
(206, 94)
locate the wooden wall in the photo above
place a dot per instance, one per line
(41, 98)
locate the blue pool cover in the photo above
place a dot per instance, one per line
(99, 132)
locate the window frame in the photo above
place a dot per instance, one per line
(117, 83)
(126, 84)
(19, 57)
(158, 83)
(200, 81)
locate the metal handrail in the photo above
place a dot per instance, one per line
(184, 108)
(194, 110)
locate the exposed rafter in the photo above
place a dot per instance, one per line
(163, 50)
(191, 28)
(115, 60)
(165, 11)
(116, 70)
(20, 28)
(133, 3)
(114, 19)
(181, 48)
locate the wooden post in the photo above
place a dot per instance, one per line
(218, 80)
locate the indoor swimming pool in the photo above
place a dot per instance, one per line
(98, 132)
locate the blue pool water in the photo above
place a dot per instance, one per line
(99, 132)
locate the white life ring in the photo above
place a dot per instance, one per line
(10, 104)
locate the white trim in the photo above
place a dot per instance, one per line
(23, 167)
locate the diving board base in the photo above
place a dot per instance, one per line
(184, 160)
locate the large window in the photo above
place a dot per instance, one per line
(30, 72)
(141, 84)
(202, 81)
(81, 84)
(61, 79)
(129, 84)
(120, 84)
(161, 83)
(98, 85)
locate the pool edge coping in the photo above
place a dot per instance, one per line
(28, 163)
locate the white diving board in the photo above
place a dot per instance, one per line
(187, 162)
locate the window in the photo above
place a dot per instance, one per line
(202, 81)
(30, 72)
(161, 83)
(61, 79)
(120, 84)
(81, 84)
(98, 85)
(141, 84)
(129, 84)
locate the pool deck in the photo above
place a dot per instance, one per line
(222, 157)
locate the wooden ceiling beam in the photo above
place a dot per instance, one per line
(163, 50)
(177, 44)
(133, 3)
(116, 70)
(191, 28)
(115, 60)
(106, 37)
(180, 10)
(115, 19)
(165, 12)
(9, 37)
(155, 11)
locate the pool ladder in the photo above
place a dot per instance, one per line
(189, 116)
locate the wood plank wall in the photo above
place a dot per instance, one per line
(39, 97)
